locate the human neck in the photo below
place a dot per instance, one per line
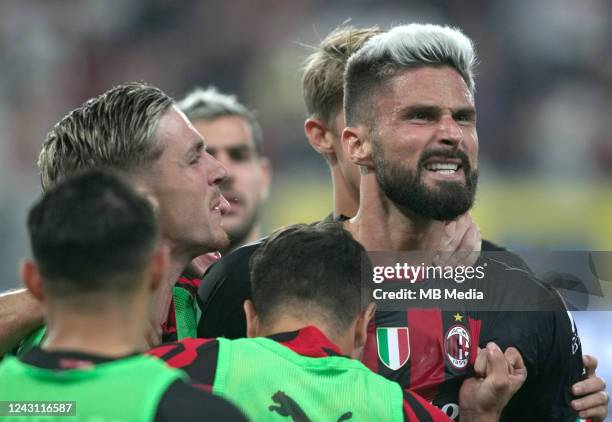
(289, 323)
(380, 225)
(346, 199)
(97, 328)
(178, 261)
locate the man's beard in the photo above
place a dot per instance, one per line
(445, 201)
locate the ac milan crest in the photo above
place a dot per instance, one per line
(457, 346)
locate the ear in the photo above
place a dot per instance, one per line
(143, 189)
(266, 176)
(159, 267)
(361, 329)
(357, 145)
(31, 278)
(252, 321)
(318, 135)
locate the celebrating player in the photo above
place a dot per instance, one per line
(305, 322)
(323, 95)
(138, 129)
(97, 263)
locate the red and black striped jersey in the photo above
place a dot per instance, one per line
(442, 344)
(198, 358)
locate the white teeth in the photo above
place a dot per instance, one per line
(445, 168)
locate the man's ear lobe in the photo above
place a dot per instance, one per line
(252, 321)
(316, 131)
(31, 278)
(357, 145)
(159, 267)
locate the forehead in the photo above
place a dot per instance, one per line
(439, 86)
(225, 131)
(175, 132)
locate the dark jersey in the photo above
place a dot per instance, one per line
(198, 358)
(441, 345)
(180, 402)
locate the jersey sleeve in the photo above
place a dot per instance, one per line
(183, 403)
(549, 344)
(417, 409)
(224, 288)
(197, 357)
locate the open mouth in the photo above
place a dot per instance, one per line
(221, 205)
(443, 166)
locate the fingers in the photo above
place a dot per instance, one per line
(480, 366)
(594, 406)
(590, 385)
(514, 359)
(516, 368)
(497, 366)
(590, 364)
(461, 238)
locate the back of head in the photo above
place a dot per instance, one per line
(402, 48)
(322, 82)
(310, 272)
(209, 104)
(92, 233)
(114, 130)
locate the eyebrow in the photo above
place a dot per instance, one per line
(196, 148)
(436, 110)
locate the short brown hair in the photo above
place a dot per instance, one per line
(323, 80)
(113, 130)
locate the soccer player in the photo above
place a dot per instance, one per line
(411, 128)
(97, 262)
(305, 322)
(233, 136)
(323, 93)
(138, 129)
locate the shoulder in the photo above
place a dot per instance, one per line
(183, 402)
(502, 254)
(238, 257)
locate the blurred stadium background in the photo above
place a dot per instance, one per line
(544, 99)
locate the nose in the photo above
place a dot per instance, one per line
(449, 132)
(227, 163)
(217, 172)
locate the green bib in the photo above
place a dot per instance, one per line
(123, 390)
(270, 382)
(186, 313)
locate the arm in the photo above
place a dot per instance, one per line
(20, 314)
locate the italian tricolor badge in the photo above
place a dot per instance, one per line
(393, 346)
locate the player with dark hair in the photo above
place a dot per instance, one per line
(97, 262)
(305, 322)
(227, 281)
